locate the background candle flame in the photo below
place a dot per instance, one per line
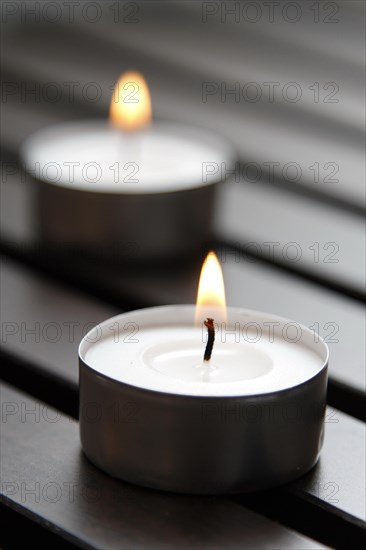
(211, 299)
(130, 108)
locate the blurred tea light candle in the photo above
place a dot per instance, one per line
(98, 155)
(154, 358)
(127, 180)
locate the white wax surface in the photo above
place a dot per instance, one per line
(150, 350)
(93, 156)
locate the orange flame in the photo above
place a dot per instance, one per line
(211, 299)
(130, 107)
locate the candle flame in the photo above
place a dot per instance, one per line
(211, 299)
(130, 107)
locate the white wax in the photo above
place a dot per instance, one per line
(160, 349)
(93, 156)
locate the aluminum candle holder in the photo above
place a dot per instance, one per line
(152, 414)
(145, 196)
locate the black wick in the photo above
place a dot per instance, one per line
(209, 323)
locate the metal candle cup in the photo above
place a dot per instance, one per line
(150, 417)
(128, 197)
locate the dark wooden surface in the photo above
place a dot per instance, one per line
(41, 290)
(34, 300)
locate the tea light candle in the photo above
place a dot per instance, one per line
(153, 412)
(127, 188)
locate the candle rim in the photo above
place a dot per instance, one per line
(323, 355)
(221, 146)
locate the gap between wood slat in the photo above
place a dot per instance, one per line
(18, 524)
(301, 514)
(76, 278)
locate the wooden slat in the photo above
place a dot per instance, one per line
(326, 41)
(340, 488)
(48, 322)
(92, 510)
(295, 231)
